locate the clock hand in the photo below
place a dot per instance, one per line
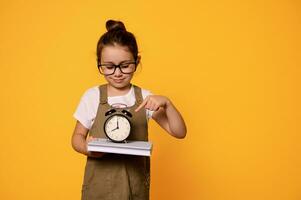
(117, 123)
(114, 129)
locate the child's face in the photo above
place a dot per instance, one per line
(115, 55)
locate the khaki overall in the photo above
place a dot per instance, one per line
(116, 176)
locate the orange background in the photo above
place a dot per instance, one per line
(231, 67)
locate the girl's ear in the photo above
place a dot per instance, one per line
(138, 60)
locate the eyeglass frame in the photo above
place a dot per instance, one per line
(117, 66)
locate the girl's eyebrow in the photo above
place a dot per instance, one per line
(110, 62)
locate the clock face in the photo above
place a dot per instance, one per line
(117, 128)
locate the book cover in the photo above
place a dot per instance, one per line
(141, 148)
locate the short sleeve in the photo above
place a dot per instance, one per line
(86, 110)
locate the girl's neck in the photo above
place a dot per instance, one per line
(113, 91)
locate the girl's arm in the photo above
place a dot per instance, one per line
(79, 141)
(166, 114)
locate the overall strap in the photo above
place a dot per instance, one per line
(138, 94)
(103, 94)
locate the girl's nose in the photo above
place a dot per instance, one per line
(118, 72)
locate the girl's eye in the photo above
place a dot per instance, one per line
(124, 66)
(109, 66)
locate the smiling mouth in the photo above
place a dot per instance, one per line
(118, 80)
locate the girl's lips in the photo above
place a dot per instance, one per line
(118, 80)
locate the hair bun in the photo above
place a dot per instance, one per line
(114, 25)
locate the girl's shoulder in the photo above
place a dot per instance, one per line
(91, 93)
(145, 92)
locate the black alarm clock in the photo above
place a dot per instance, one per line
(117, 126)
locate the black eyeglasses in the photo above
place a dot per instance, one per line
(110, 68)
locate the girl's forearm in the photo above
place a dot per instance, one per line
(175, 121)
(79, 143)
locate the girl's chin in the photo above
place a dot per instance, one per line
(119, 85)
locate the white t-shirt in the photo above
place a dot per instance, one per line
(88, 105)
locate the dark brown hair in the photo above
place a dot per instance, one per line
(117, 35)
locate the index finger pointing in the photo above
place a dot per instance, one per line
(141, 105)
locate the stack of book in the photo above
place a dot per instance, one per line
(140, 148)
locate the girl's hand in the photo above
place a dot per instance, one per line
(154, 102)
(92, 153)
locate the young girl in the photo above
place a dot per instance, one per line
(115, 176)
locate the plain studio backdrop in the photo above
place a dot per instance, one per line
(231, 67)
